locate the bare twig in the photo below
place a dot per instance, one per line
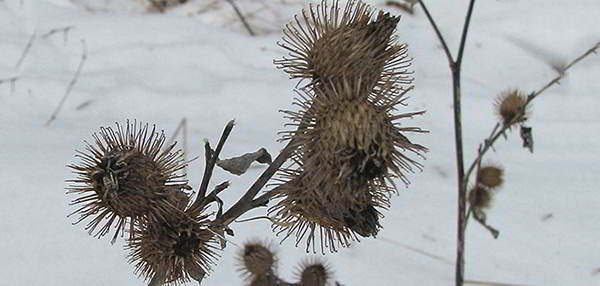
(12, 81)
(26, 50)
(417, 250)
(181, 128)
(64, 30)
(437, 32)
(247, 201)
(408, 6)
(241, 16)
(488, 283)
(71, 83)
(498, 132)
(208, 169)
(455, 68)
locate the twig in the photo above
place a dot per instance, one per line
(12, 81)
(26, 50)
(247, 201)
(208, 169)
(64, 30)
(455, 68)
(71, 83)
(488, 143)
(437, 32)
(241, 16)
(487, 283)
(408, 7)
(416, 250)
(181, 128)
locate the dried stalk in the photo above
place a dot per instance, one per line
(241, 16)
(26, 50)
(455, 68)
(500, 130)
(71, 84)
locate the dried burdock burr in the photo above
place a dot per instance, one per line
(173, 251)
(512, 107)
(126, 174)
(480, 197)
(333, 43)
(490, 176)
(256, 259)
(348, 145)
(314, 273)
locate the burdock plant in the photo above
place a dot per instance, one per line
(345, 155)
(125, 175)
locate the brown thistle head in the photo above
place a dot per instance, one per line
(512, 107)
(331, 43)
(491, 176)
(173, 251)
(256, 259)
(126, 174)
(314, 273)
(481, 197)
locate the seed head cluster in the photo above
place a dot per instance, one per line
(490, 178)
(512, 107)
(348, 145)
(128, 180)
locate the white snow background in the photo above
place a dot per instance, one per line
(197, 62)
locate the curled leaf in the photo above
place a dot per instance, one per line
(239, 165)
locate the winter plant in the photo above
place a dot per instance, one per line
(330, 184)
(344, 153)
(513, 109)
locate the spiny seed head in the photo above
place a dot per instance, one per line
(126, 174)
(480, 197)
(330, 43)
(257, 259)
(267, 279)
(176, 250)
(491, 176)
(325, 213)
(314, 273)
(512, 107)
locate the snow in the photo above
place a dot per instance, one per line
(197, 62)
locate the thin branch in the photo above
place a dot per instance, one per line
(181, 128)
(488, 283)
(489, 142)
(463, 38)
(64, 30)
(208, 169)
(26, 50)
(242, 18)
(71, 84)
(12, 81)
(247, 201)
(437, 32)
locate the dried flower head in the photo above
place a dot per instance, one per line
(348, 145)
(314, 273)
(327, 44)
(125, 175)
(266, 280)
(480, 197)
(491, 176)
(257, 258)
(512, 107)
(173, 251)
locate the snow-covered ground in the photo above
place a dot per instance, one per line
(197, 62)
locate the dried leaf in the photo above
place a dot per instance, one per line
(239, 165)
(527, 137)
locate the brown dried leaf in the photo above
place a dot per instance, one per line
(239, 165)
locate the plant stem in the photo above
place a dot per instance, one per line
(247, 201)
(455, 68)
